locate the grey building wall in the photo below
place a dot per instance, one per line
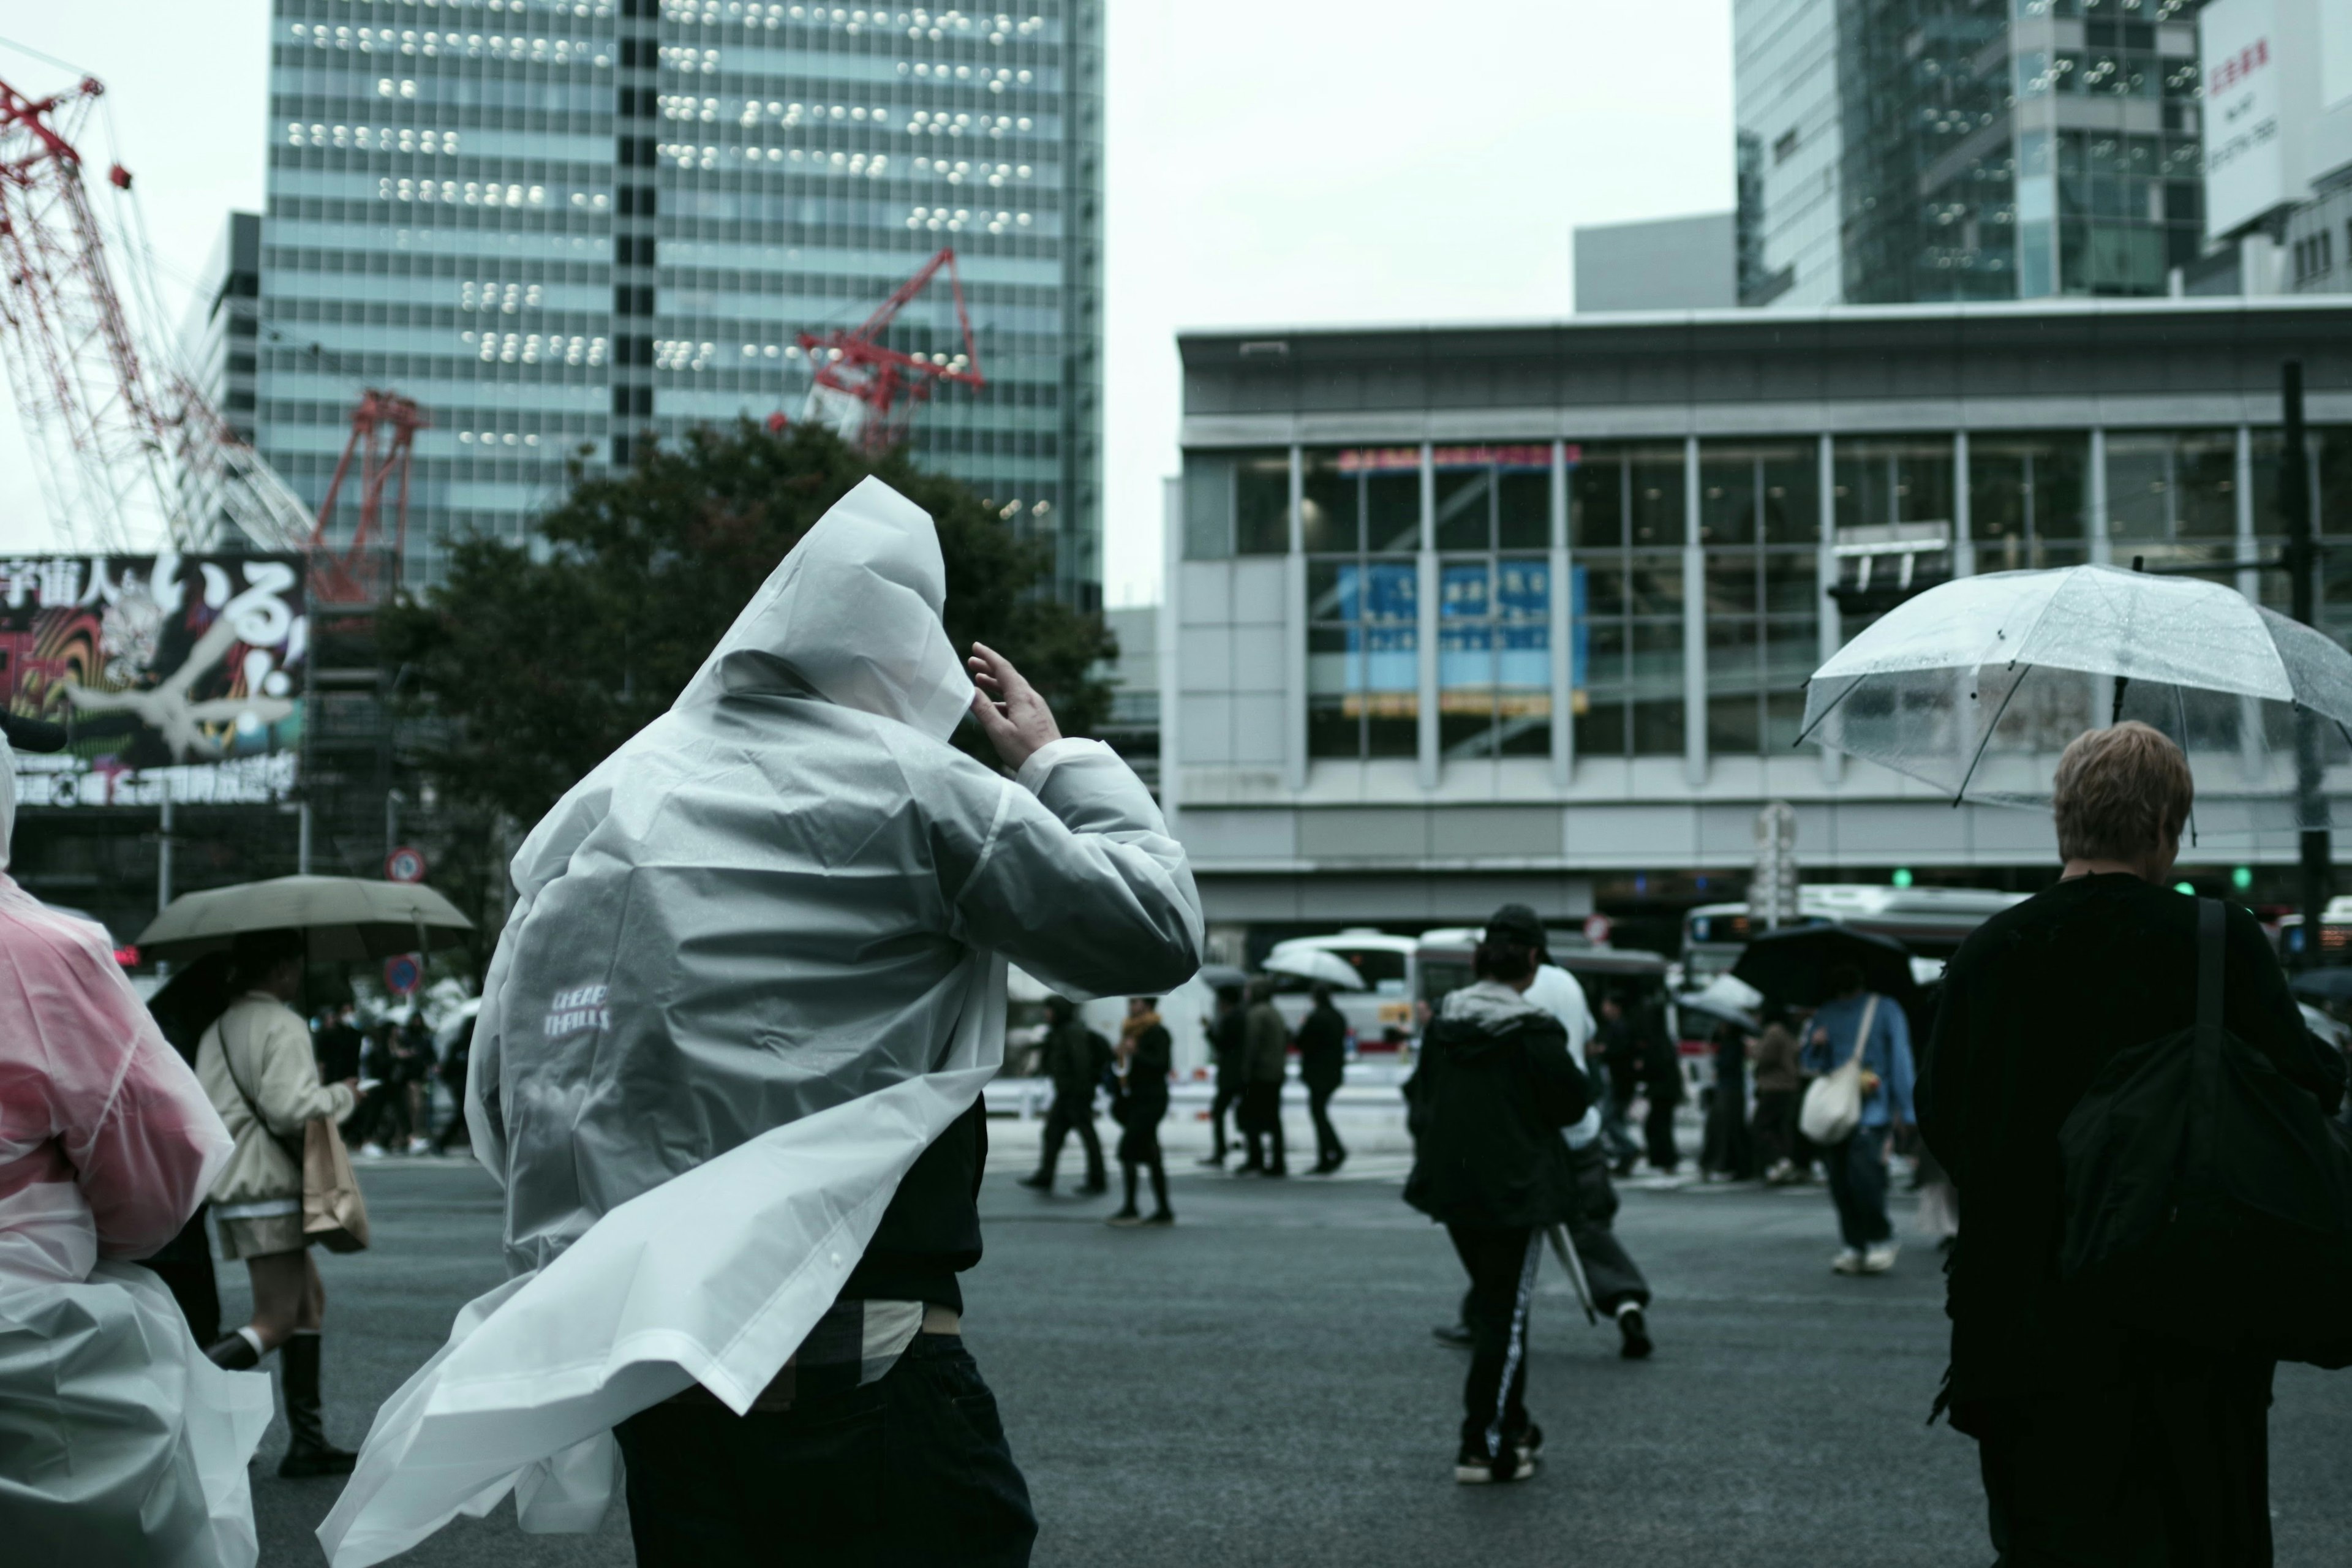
(1662, 264)
(562, 227)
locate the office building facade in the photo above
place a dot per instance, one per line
(565, 227)
(1458, 615)
(1982, 150)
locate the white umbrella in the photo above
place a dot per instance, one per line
(1316, 964)
(343, 916)
(1976, 685)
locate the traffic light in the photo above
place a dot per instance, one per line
(2242, 878)
(2187, 887)
(1902, 878)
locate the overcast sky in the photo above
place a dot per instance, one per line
(1270, 162)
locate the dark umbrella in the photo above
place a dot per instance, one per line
(1792, 967)
(2323, 984)
(1222, 977)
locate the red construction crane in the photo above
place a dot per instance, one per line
(869, 391)
(129, 440)
(384, 433)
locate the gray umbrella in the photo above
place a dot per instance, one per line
(343, 916)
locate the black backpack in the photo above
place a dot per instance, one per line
(2209, 1199)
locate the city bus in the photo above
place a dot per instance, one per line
(1931, 921)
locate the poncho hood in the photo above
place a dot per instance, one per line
(852, 615)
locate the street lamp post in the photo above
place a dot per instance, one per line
(2302, 563)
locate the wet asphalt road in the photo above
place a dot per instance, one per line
(1258, 1385)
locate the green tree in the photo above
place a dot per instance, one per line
(533, 660)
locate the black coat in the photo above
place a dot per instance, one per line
(2035, 1003)
(1487, 1106)
(1229, 1045)
(1323, 1047)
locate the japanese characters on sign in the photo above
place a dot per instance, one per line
(179, 676)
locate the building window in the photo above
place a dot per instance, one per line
(1494, 608)
(2172, 496)
(1361, 523)
(2027, 500)
(1893, 502)
(2331, 510)
(1626, 531)
(1236, 503)
(1761, 525)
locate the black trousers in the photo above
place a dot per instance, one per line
(1067, 1116)
(909, 1471)
(1777, 1138)
(1502, 1265)
(1228, 1095)
(2170, 1469)
(1260, 1118)
(1329, 1150)
(1658, 1132)
(1857, 1169)
(1607, 1268)
(185, 1264)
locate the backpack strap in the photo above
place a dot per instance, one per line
(1862, 1036)
(2210, 925)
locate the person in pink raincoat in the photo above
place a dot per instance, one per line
(119, 1442)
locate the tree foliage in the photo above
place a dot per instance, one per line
(533, 660)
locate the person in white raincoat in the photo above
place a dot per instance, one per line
(120, 1443)
(727, 1066)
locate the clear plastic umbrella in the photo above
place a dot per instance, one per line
(1976, 685)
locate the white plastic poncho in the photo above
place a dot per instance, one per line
(119, 1442)
(756, 967)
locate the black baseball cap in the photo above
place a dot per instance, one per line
(1516, 923)
(32, 734)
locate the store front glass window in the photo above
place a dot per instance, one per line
(1360, 521)
(2028, 499)
(1494, 615)
(2172, 498)
(1625, 537)
(1760, 525)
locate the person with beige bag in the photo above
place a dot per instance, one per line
(288, 1184)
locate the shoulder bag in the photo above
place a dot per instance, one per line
(1832, 1106)
(2209, 1199)
(334, 1214)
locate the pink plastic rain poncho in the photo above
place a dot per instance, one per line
(756, 964)
(120, 1443)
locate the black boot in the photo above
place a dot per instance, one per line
(310, 1453)
(233, 1352)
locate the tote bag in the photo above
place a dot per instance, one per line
(1832, 1106)
(334, 1215)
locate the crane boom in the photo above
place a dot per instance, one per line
(127, 444)
(869, 391)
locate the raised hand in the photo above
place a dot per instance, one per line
(1015, 717)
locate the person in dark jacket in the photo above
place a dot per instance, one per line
(2098, 1443)
(1228, 1044)
(1780, 1147)
(1076, 1059)
(1728, 1150)
(1145, 1056)
(1616, 1054)
(452, 1071)
(1494, 1090)
(1661, 1067)
(1265, 1062)
(1322, 1067)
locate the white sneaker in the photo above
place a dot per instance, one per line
(371, 1151)
(1880, 1258)
(1847, 1262)
(420, 1146)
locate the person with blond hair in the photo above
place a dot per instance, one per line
(2098, 1443)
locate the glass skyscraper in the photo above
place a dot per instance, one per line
(1927, 149)
(565, 226)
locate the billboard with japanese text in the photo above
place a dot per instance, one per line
(176, 676)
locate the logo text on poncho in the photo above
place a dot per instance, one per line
(582, 1008)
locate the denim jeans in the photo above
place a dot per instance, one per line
(1857, 1169)
(909, 1471)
